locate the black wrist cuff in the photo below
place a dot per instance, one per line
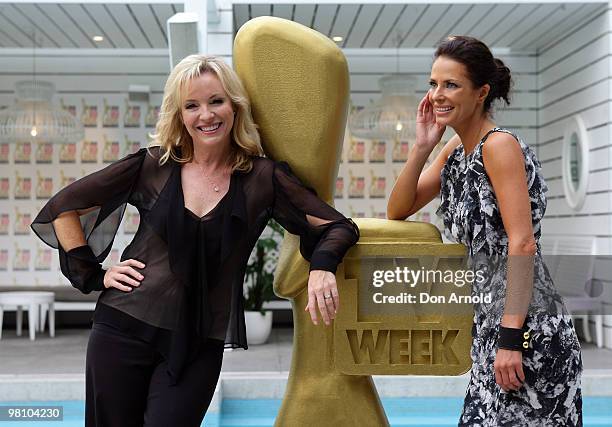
(514, 339)
(82, 268)
(323, 260)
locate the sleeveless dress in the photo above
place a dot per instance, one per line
(550, 395)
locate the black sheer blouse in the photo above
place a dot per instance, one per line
(205, 262)
(170, 296)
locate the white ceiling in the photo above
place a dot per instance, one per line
(519, 26)
(73, 25)
(142, 25)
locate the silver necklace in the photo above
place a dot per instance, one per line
(215, 187)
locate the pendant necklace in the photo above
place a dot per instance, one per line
(212, 183)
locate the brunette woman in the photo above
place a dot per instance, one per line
(526, 357)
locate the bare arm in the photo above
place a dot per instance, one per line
(505, 166)
(69, 231)
(68, 228)
(414, 189)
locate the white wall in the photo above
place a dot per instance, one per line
(220, 35)
(574, 78)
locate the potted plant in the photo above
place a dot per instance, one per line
(259, 278)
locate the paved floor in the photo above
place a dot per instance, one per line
(65, 354)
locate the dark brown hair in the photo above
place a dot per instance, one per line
(482, 67)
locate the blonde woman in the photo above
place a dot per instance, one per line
(204, 193)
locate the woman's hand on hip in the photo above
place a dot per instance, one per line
(123, 276)
(509, 369)
(428, 132)
(322, 294)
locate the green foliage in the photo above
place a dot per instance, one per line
(259, 275)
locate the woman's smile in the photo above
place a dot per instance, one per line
(443, 110)
(208, 112)
(209, 129)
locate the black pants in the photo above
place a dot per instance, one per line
(127, 384)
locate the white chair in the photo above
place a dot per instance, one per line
(571, 268)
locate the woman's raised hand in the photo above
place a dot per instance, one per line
(428, 132)
(123, 276)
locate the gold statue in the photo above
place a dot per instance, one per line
(297, 81)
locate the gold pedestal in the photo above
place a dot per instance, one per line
(297, 80)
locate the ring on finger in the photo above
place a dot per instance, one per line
(327, 296)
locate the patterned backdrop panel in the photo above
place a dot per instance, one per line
(30, 173)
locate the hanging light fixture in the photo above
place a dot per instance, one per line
(393, 116)
(34, 118)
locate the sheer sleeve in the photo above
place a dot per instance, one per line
(325, 234)
(103, 195)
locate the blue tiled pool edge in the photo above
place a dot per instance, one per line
(263, 391)
(401, 412)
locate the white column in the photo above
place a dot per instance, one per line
(182, 36)
(220, 29)
(200, 7)
(607, 250)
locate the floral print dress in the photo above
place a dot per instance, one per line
(550, 395)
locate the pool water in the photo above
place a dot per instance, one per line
(406, 411)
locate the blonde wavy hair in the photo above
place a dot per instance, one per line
(170, 132)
